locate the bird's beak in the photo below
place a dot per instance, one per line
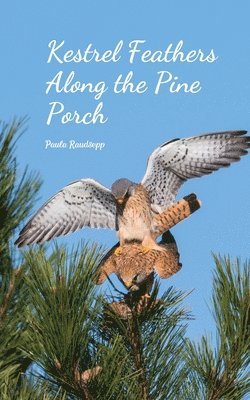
(120, 200)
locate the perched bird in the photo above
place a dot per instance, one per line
(129, 207)
(135, 268)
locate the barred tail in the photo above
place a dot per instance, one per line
(175, 213)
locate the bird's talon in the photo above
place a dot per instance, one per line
(145, 250)
(118, 251)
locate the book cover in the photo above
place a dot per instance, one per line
(103, 84)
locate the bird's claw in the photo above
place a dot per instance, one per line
(145, 249)
(117, 251)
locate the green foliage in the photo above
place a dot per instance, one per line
(221, 373)
(22, 388)
(17, 194)
(65, 312)
(17, 191)
(62, 291)
(153, 338)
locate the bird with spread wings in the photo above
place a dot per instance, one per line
(131, 208)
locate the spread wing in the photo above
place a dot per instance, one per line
(81, 203)
(171, 164)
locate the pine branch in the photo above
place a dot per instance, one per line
(23, 388)
(17, 191)
(222, 372)
(9, 294)
(86, 392)
(153, 339)
(136, 346)
(135, 341)
(64, 321)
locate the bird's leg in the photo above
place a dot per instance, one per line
(148, 244)
(117, 251)
(145, 249)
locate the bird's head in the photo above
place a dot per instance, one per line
(136, 280)
(122, 189)
(130, 279)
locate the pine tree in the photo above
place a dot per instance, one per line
(17, 195)
(61, 337)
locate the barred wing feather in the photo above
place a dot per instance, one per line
(80, 204)
(171, 164)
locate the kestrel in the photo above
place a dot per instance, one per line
(129, 207)
(136, 268)
(133, 266)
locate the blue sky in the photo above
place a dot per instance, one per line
(137, 123)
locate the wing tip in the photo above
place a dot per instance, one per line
(241, 132)
(20, 242)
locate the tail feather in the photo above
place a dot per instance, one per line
(175, 213)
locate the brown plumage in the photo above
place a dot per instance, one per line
(174, 214)
(138, 221)
(135, 218)
(134, 266)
